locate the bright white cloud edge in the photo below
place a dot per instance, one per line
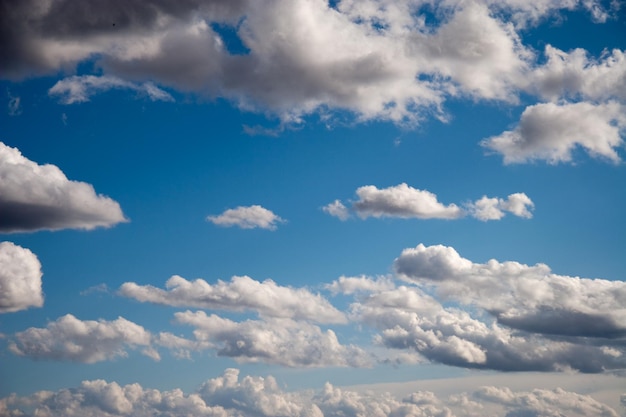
(20, 278)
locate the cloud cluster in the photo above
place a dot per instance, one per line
(89, 341)
(529, 298)
(230, 395)
(240, 294)
(251, 217)
(278, 341)
(404, 201)
(40, 197)
(20, 278)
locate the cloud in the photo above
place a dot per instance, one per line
(14, 106)
(575, 75)
(373, 59)
(337, 209)
(240, 294)
(247, 218)
(71, 339)
(40, 197)
(278, 341)
(408, 319)
(493, 208)
(404, 201)
(20, 278)
(529, 298)
(79, 89)
(230, 395)
(551, 132)
(350, 285)
(541, 402)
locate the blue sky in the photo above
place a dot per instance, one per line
(294, 207)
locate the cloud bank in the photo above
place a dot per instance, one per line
(20, 278)
(40, 197)
(231, 395)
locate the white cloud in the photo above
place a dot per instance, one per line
(240, 294)
(233, 395)
(35, 197)
(408, 319)
(551, 132)
(575, 75)
(88, 341)
(351, 285)
(402, 201)
(337, 209)
(20, 278)
(278, 341)
(494, 208)
(247, 218)
(530, 298)
(14, 106)
(80, 88)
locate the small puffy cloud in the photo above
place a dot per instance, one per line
(529, 298)
(337, 209)
(40, 197)
(80, 88)
(278, 341)
(551, 132)
(250, 217)
(71, 339)
(404, 201)
(240, 294)
(20, 278)
(494, 208)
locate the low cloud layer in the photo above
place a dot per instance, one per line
(240, 294)
(20, 278)
(251, 217)
(404, 201)
(40, 197)
(232, 395)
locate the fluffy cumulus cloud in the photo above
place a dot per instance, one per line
(240, 294)
(87, 341)
(529, 298)
(231, 395)
(552, 132)
(279, 341)
(20, 278)
(250, 217)
(404, 201)
(376, 59)
(79, 89)
(409, 319)
(35, 197)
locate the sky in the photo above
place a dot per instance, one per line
(312, 208)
